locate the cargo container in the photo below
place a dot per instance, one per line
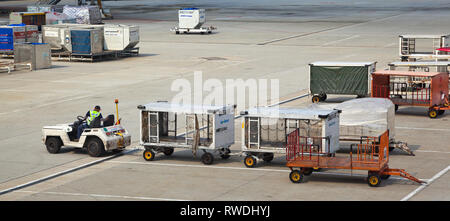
(10, 35)
(31, 33)
(37, 54)
(84, 14)
(121, 37)
(165, 126)
(59, 35)
(190, 20)
(86, 41)
(28, 18)
(265, 130)
(347, 78)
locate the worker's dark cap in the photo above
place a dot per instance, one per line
(97, 107)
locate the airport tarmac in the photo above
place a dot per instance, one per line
(246, 45)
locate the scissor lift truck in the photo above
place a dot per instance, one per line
(96, 140)
(165, 126)
(191, 21)
(265, 129)
(302, 156)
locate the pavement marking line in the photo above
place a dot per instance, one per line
(100, 195)
(430, 151)
(435, 177)
(418, 128)
(33, 182)
(240, 168)
(344, 39)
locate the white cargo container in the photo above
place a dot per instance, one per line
(165, 126)
(265, 130)
(59, 35)
(120, 37)
(190, 20)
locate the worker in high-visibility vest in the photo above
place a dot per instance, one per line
(89, 117)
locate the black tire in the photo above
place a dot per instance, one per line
(177, 32)
(374, 180)
(116, 151)
(95, 147)
(323, 97)
(391, 149)
(226, 154)
(53, 144)
(268, 157)
(316, 99)
(207, 158)
(441, 112)
(432, 113)
(148, 155)
(168, 151)
(296, 176)
(249, 161)
(385, 177)
(308, 171)
(396, 107)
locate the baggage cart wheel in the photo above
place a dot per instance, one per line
(250, 161)
(315, 99)
(267, 157)
(441, 112)
(148, 155)
(168, 151)
(391, 149)
(177, 32)
(385, 177)
(307, 171)
(225, 154)
(207, 158)
(323, 97)
(95, 147)
(374, 180)
(432, 113)
(396, 107)
(317, 169)
(296, 176)
(53, 144)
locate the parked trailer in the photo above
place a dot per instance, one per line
(350, 78)
(190, 20)
(406, 88)
(414, 47)
(302, 156)
(165, 126)
(265, 130)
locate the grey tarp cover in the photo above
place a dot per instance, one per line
(339, 80)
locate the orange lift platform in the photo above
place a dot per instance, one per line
(411, 88)
(372, 154)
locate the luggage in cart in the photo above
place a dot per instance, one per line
(165, 126)
(265, 130)
(405, 88)
(303, 153)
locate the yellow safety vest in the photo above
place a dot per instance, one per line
(92, 116)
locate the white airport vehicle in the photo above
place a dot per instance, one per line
(190, 20)
(96, 140)
(165, 126)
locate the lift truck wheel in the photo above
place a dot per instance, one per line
(53, 144)
(296, 176)
(95, 147)
(148, 154)
(316, 99)
(207, 158)
(432, 113)
(250, 161)
(307, 171)
(267, 157)
(168, 151)
(373, 180)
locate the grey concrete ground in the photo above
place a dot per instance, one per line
(255, 40)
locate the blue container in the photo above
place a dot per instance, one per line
(6, 39)
(87, 41)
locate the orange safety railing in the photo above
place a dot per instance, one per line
(305, 148)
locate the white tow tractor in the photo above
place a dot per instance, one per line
(96, 140)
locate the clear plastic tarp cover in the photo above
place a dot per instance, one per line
(84, 14)
(364, 117)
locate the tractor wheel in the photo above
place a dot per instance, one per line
(374, 180)
(53, 144)
(316, 99)
(250, 161)
(168, 151)
(308, 171)
(207, 158)
(148, 155)
(95, 147)
(432, 113)
(295, 176)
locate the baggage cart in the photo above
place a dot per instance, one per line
(406, 88)
(347, 78)
(166, 126)
(372, 155)
(190, 20)
(417, 47)
(265, 130)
